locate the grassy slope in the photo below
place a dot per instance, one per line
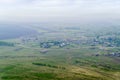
(19, 65)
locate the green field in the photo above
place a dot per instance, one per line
(26, 60)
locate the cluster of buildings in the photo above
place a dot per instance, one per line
(49, 44)
(114, 54)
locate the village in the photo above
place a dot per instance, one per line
(104, 41)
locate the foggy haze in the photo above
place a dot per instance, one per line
(59, 11)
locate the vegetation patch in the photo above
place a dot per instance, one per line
(45, 76)
(49, 65)
(3, 43)
(10, 77)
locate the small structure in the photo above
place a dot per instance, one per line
(44, 51)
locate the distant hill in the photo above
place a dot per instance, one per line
(12, 31)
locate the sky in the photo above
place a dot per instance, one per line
(59, 11)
